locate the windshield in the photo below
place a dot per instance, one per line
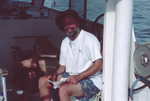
(93, 7)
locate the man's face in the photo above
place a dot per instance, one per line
(71, 27)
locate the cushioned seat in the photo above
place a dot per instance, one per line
(97, 97)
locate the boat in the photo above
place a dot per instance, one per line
(21, 23)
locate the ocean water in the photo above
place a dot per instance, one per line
(141, 14)
(141, 21)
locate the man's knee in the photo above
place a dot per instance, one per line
(63, 89)
(42, 81)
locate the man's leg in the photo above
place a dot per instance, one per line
(83, 91)
(44, 86)
(66, 90)
(44, 89)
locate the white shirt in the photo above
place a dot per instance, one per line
(79, 55)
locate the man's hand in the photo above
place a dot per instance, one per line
(52, 77)
(74, 79)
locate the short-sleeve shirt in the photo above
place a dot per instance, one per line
(78, 55)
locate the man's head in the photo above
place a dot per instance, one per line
(70, 22)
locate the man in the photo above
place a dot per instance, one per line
(80, 61)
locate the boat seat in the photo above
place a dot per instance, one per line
(97, 97)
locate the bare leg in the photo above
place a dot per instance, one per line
(44, 89)
(66, 90)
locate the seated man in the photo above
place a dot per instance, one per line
(80, 61)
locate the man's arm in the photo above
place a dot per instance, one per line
(60, 70)
(97, 65)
